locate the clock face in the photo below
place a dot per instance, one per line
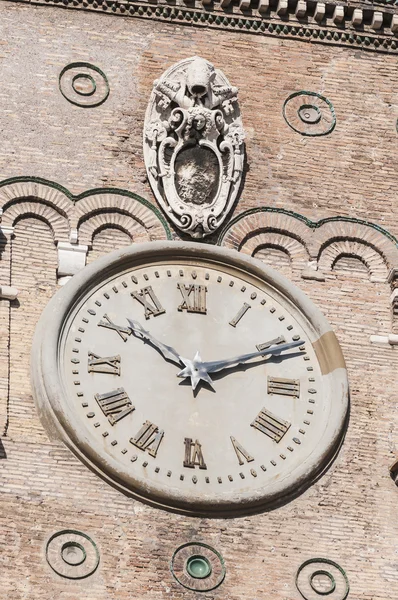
(191, 377)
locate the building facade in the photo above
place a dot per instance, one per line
(316, 202)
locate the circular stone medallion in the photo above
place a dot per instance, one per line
(322, 578)
(83, 84)
(72, 554)
(198, 567)
(309, 113)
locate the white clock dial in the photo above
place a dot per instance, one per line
(192, 377)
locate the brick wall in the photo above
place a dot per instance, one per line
(349, 515)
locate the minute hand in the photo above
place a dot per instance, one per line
(218, 365)
(167, 351)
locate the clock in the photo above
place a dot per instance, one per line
(191, 377)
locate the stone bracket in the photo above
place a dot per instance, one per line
(6, 231)
(8, 293)
(390, 339)
(71, 259)
(311, 271)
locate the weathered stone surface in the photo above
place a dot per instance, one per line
(193, 145)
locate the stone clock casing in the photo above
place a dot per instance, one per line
(257, 436)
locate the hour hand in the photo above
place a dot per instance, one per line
(167, 351)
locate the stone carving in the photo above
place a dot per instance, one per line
(309, 113)
(72, 554)
(83, 84)
(198, 567)
(193, 145)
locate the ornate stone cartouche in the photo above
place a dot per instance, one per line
(193, 145)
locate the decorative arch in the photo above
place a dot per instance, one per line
(367, 234)
(17, 188)
(254, 222)
(370, 257)
(295, 250)
(275, 256)
(136, 215)
(114, 226)
(100, 221)
(371, 243)
(23, 209)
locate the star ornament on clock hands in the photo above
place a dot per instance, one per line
(196, 370)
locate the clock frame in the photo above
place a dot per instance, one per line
(147, 445)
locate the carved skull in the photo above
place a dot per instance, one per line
(200, 74)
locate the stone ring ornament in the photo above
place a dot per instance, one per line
(72, 554)
(193, 145)
(322, 578)
(309, 113)
(198, 567)
(191, 377)
(83, 84)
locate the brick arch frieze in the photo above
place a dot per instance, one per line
(325, 241)
(289, 246)
(294, 248)
(378, 241)
(373, 244)
(65, 213)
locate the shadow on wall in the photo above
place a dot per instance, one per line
(3, 241)
(3, 453)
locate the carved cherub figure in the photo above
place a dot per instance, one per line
(235, 136)
(155, 133)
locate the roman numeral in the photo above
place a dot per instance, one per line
(240, 451)
(285, 387)
(278, 340)
(155, 308)
(107, 364)
(115, 405)
(124, 332)
(194, 298)
(240, 314)
(273, 426)
(193, 454)
(148, 438)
